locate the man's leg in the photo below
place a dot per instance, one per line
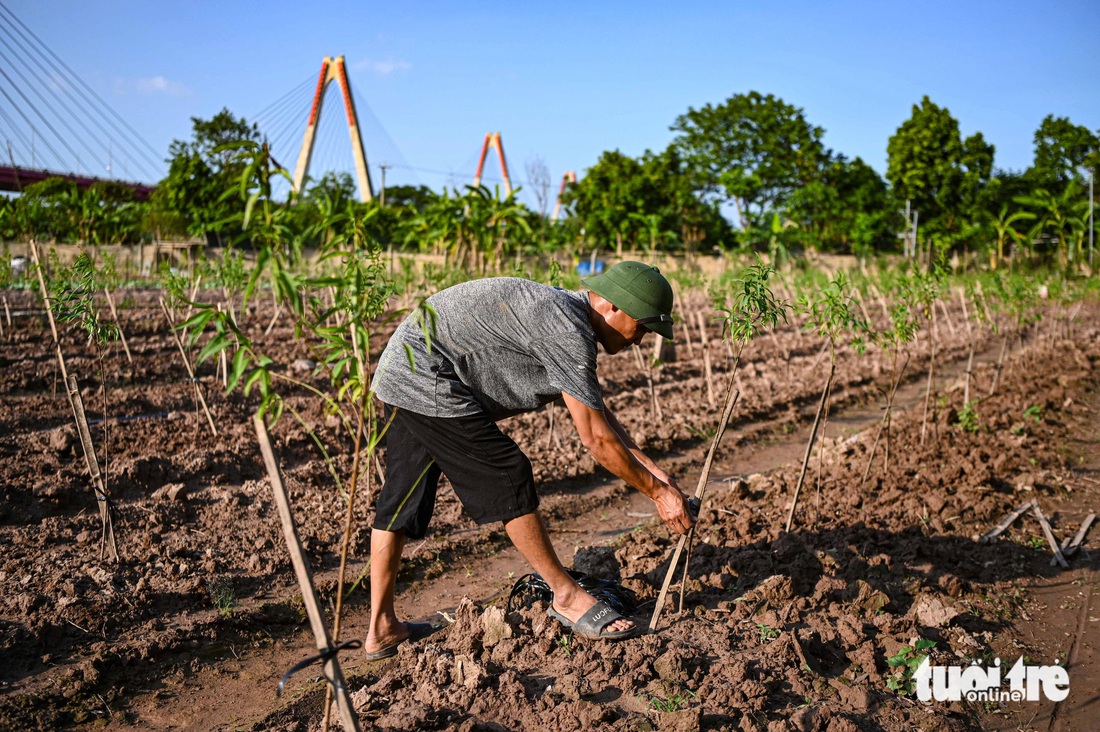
(385, 557)
(529, 535)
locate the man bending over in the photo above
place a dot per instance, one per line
(496, 348)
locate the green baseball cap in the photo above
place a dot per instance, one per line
(640, 291)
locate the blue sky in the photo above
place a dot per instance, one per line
(565, 81)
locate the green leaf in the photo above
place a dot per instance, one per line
(216, 345)
(241, 361)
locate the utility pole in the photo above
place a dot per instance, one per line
(909, 236)
(382, 194)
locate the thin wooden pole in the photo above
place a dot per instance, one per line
(731, 401)
(705, 345)
(49, 316)
(810, 445)
(333, 672)
(190, 371)
(107, 540)
(118, 324)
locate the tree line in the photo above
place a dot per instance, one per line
(751, 172)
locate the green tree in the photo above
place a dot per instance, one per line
(845, 208)
(639, 202)
(201, 170)
(1062, 151)
(753, 151)
(44, 210)
(944, 176)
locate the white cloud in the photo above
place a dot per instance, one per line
(161, 85)
(381, 68)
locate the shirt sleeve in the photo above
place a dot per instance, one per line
(570, 363)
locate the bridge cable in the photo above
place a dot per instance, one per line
(15, 128)
(128, 145)
(57, 158)
(63, 119)
(123, 149)
(104, 106)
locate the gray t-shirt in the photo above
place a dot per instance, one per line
(502, 346)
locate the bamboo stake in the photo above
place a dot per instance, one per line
(1069, 547)
(931, 369)
(349, 519)
(654, 403)
(333, 673)
(686, 330)
(49, 316)
(552, 431)
(731, 401)
(1050, 536)
(999, 366)
(1005, 523)
(705, 345)
(7, 311)
(947, 317)
(107, 539)
(895, 382)
(969, 370)
(810, 445)
(118, 324)
(966, 314)
(275, 317)
(862, 307)
(190, 371)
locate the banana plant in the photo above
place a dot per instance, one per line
(1005, 226)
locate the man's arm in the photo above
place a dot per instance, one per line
(636, 451)
(608, 442)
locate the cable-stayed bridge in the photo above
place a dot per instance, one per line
(52, 124)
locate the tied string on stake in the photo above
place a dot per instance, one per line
(324, 657)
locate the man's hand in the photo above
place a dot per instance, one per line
(672, 507)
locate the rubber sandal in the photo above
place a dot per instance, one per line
(592, 623)
(417, 631)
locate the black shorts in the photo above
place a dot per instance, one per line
(490, 475)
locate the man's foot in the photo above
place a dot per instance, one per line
(574, 608)
(386, 645)
(386, 641)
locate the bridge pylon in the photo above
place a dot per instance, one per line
(333, 69)
(492, 140)
(569, 177)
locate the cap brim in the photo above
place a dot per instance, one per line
(662, 329)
